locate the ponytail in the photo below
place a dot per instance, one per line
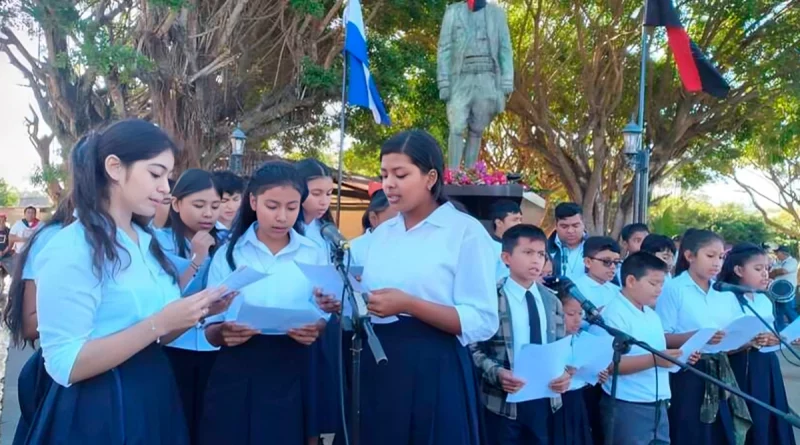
(130, 141)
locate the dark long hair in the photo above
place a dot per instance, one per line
(311, 169)
(693, 241)
(424, 152)
(131, 141)
(377, 203)
(740, 255)
(191, 181)
(12, 314)
(271, 174)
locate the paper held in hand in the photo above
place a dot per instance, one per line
(276, 320)
(327, 278)
(591, 354)
(789, 333)
(737, 334)
(695, 343)
(242, 277)
(538, 365)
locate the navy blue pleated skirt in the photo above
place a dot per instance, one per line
(134, 403)
(191, 369)
(424, 395)
(258, 394)
(32, 386)
(591, 397)
(685, 426)
(324, 381)
(571, 422)
(760, 376)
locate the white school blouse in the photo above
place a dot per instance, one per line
(760, 303)
(194, 339)
(358, 248)
(285, 285)
(31, 268)
(684, 307)
(314, 234)
(645, 325)
(442, 260)
(74, 306)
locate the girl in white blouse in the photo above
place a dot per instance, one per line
(259, 391)
(431, 295)
(700, 413)
(758, 373)
(108, 297)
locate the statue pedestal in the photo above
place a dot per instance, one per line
(478, 200)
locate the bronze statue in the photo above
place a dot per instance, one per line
(475, 73)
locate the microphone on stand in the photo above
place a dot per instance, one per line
(720, 286)
(331, 234)
(739, 291)
(568, 286)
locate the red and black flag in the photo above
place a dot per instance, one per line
(696, 71)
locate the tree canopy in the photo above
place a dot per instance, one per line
(674, 215)
(8, 195)
(196, 67)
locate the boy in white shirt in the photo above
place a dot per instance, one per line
(643, 389)
(505, 214)
(601, 256)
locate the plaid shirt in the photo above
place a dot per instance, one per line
(498, 352)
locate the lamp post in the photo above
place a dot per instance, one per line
(237, 150)
(638, 155)
(632, 137)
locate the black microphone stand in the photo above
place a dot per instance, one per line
(362, 327)
(744, 302)
(622, 345)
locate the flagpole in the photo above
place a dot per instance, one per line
(341, 135)
(641, 190)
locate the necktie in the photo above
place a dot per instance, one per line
(533, 319)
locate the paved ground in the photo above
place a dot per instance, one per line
(10, 409)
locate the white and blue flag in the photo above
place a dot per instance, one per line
(362, 91)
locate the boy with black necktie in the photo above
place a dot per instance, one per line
(529, 314)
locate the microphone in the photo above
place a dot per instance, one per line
(566, 285)
(331, 234)
(720, 286)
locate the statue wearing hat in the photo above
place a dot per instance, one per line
(475, 74)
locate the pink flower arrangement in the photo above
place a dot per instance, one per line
(478, 174)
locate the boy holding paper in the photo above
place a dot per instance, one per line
(529, 314)
(643, 389)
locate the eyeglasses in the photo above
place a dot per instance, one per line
(607, 263)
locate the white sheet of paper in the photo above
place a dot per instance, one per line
(242, 277)
(695, 343)
(327, 278)
(276, 320)
(591, 354)
(789, 333)
(539, 365)
(737, 334)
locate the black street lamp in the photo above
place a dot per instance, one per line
(639, 160)
(238, 139)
